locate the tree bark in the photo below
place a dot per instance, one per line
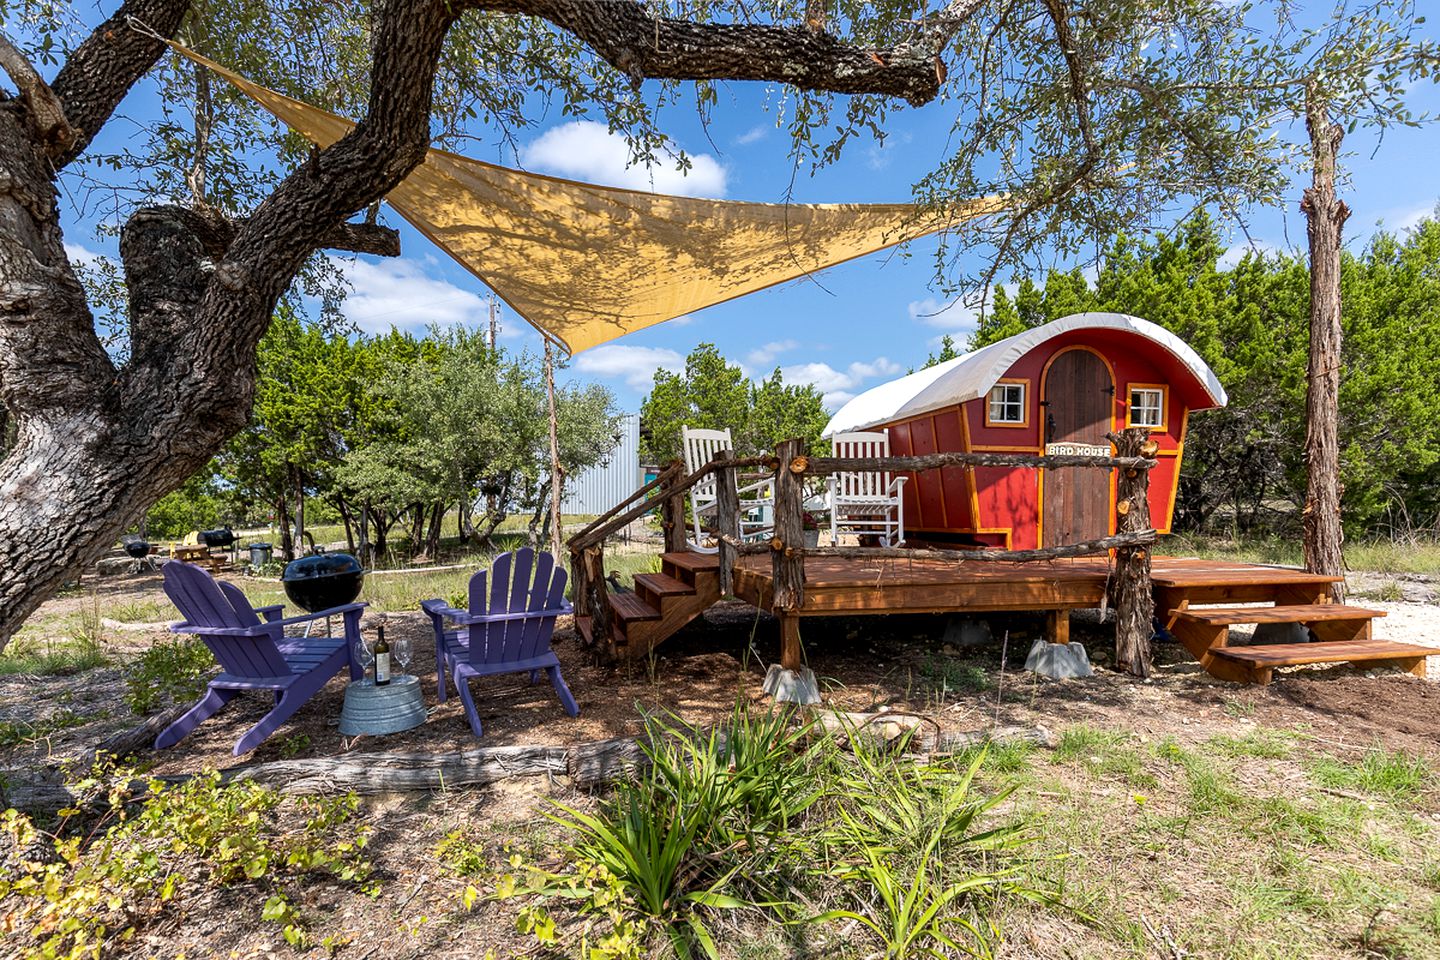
(1325, 216)
(787, 543)
(1131, 593)
(94, 445)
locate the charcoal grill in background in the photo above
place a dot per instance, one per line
(139, 551)
(221, 537)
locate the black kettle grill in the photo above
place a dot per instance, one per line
(323, 580)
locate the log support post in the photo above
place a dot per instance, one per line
(672, 515)
(596, 597)
(1130, 591)
(790, 681)
(727, 520)
(1057, 626)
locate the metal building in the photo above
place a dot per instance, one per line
(612, 479)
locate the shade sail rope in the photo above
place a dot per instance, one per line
(585, 264)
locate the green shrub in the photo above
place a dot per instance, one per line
(106, 883)
(171, 671)
(767, 816)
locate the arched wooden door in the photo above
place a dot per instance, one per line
(1078, 403)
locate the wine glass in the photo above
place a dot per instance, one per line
(400, 651)
(365, 651)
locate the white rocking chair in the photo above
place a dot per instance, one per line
(868, 502)
(757, 500)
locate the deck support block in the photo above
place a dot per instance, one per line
(792, 686)
(1059, 661)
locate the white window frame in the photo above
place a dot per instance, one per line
(1004, 396)
(1152, 403)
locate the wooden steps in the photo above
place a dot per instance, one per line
(1342, 635)
(1299, 613)
(661, 604)
(1293, 654)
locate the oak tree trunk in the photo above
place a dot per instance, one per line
(1325, 216)
(95, 444)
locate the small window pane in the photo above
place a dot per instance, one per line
(1007, 403)
(1147, 407)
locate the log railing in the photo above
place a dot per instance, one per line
(792, 466)
(589, 590)
(1129, 589)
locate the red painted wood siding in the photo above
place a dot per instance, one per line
(1008, 500)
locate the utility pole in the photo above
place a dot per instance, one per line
(495, 323)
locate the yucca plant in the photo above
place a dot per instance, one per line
(909, 854)
(709, 826)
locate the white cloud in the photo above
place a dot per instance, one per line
(838, 386)
(586, 150)
(762, 357)
(1231, 258)
(399, 293)
(954, 316)
(636, 365)
(82, 256)
(1410, 219)
(754, 134)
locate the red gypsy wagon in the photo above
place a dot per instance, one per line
(1057, 388)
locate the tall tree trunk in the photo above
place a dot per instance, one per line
(299, 510)
(366, 560)
(382, 520)
(1325, 216)
(557, 474)
(432, 534)
(349, 526)
(282, 520)
(542, 502)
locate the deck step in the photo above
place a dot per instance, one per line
(659, 586)
(690, 560)
(629, 607)
(1301, 613)
(1346, 651)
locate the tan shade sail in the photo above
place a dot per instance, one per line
(586, 264)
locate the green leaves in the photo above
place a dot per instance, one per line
(713, 394)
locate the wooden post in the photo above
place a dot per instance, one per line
(557, 476)
(579, 584)
(727, 519)
(597, 597)
(672, 516)
(792, 654)
(787, 542)
(1325, 216)
(1131, 593)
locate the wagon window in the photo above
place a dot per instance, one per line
(1147, 406)
(1007, 403)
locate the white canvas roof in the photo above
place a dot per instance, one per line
(971, 376)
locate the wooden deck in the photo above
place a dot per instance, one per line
(689, 583)
(844, 586)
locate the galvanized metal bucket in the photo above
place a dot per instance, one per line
(376, 710)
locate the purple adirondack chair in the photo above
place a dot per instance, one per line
(507, 628)
(254, 655)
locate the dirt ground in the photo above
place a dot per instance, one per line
(865, 664)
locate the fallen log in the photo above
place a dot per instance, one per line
(589, 765)
(139, 737)
(372, 773)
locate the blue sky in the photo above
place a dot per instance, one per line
(851, 327)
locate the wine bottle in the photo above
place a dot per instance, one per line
(382, 658)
